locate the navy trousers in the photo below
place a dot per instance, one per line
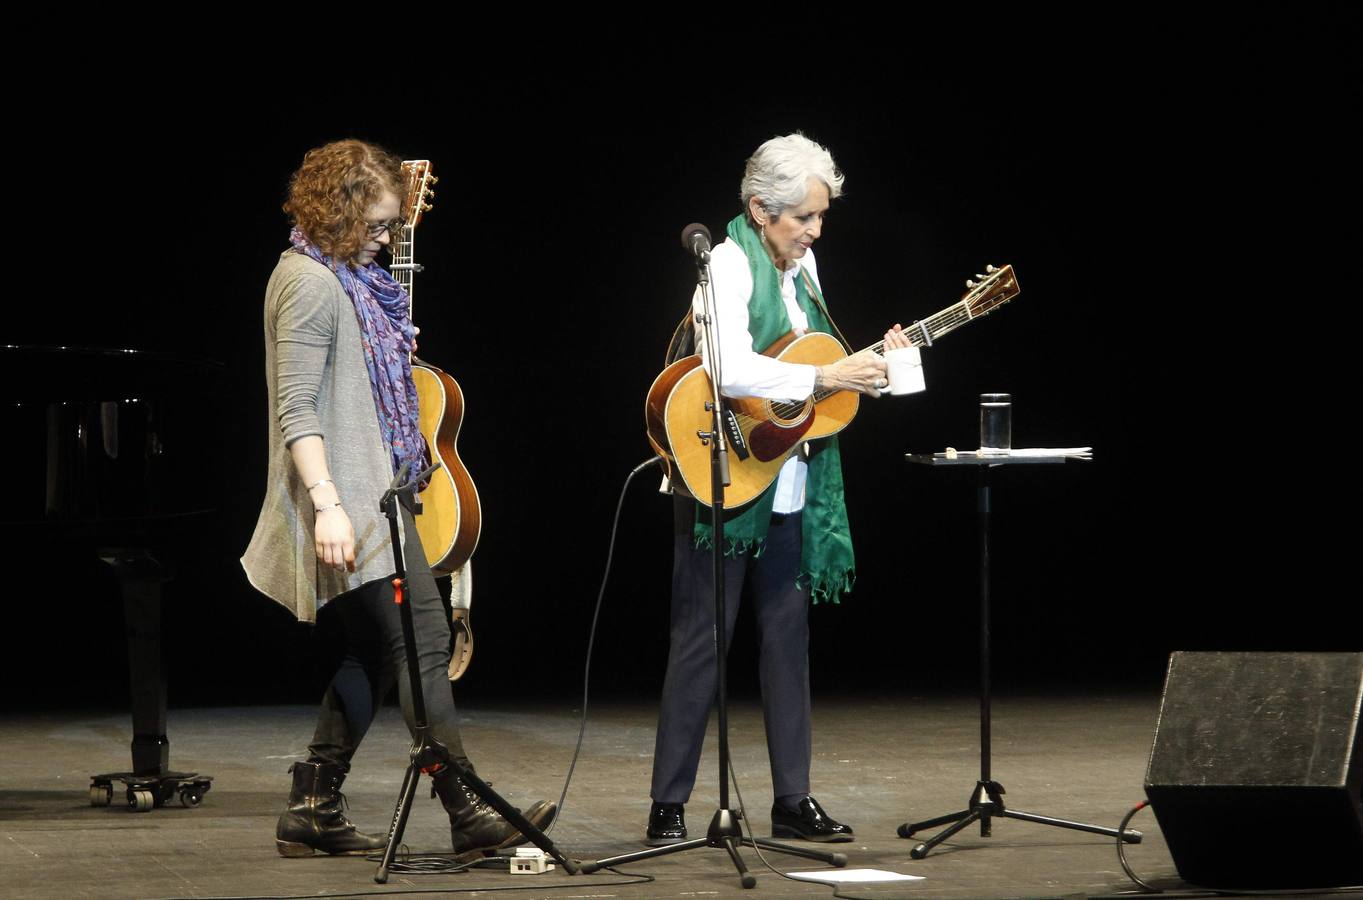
(782, 611)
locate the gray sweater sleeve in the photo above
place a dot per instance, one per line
(305, 329)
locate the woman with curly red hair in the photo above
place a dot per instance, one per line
(338, 343)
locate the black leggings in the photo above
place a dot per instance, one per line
(375, 657)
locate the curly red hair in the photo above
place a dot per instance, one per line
(332, 191)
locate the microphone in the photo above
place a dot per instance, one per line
(695, 239)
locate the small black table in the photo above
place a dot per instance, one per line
(986, 797)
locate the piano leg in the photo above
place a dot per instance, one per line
(140, 577)
(150, 783)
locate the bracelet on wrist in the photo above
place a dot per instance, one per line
(321, 509)
(321, 482)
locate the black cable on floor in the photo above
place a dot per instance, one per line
(591, 639)
(1212, 892)
(743, 817)
(438, 865)
(404, 863)
(1121, 849)
(382, 892)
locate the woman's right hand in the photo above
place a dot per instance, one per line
(333, 535)
(863, 372)
(335, 538)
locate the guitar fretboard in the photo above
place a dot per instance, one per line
(402, 266)
(980, 300)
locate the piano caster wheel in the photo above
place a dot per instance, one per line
(140, 801)
(147, 792)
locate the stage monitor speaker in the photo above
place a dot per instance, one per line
(1255, 777)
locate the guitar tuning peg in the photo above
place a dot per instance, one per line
(427, 207)
(434, 179)
(969, 283)
(979, 276)
(430, 195)
(990, 269)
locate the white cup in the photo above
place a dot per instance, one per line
(905, 370)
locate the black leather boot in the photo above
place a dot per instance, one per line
(314, 820)
(475, 827)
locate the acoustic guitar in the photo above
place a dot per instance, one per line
(763, 434)
(451, 515)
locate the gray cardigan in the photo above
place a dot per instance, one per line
(318, 384)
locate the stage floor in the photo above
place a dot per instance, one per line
(878, 762)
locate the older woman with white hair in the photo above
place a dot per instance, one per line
(792, 545)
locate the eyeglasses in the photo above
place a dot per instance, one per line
(392, 226)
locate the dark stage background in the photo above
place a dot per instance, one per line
(1177, 236)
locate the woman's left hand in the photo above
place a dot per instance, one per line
(895, 338)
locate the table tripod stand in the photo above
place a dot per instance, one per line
(986, 797)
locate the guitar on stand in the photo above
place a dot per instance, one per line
(451, 515)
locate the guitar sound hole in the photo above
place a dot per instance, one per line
(788, 414)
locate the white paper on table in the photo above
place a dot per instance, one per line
(853, 876)
(1051, 451)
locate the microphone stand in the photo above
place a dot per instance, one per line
(725, 830)
(428, 754)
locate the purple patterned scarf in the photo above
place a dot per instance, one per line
(383, 313)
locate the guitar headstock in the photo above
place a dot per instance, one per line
(420, 190)
(986, 293)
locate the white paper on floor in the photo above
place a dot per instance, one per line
(852, 876)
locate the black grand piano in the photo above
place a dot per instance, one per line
(108, 462)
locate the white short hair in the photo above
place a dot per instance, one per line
(778, 173)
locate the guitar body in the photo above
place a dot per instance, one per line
(451, 518)
(771, 430)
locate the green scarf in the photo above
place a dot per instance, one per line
(827, 565)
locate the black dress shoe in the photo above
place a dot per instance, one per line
(808, 823)
(666, 824)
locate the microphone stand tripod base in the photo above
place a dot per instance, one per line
(725, 832)
(427, 753)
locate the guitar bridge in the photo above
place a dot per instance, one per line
(736, 439)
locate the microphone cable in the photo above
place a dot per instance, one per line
(434, 863)
(591, 639)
